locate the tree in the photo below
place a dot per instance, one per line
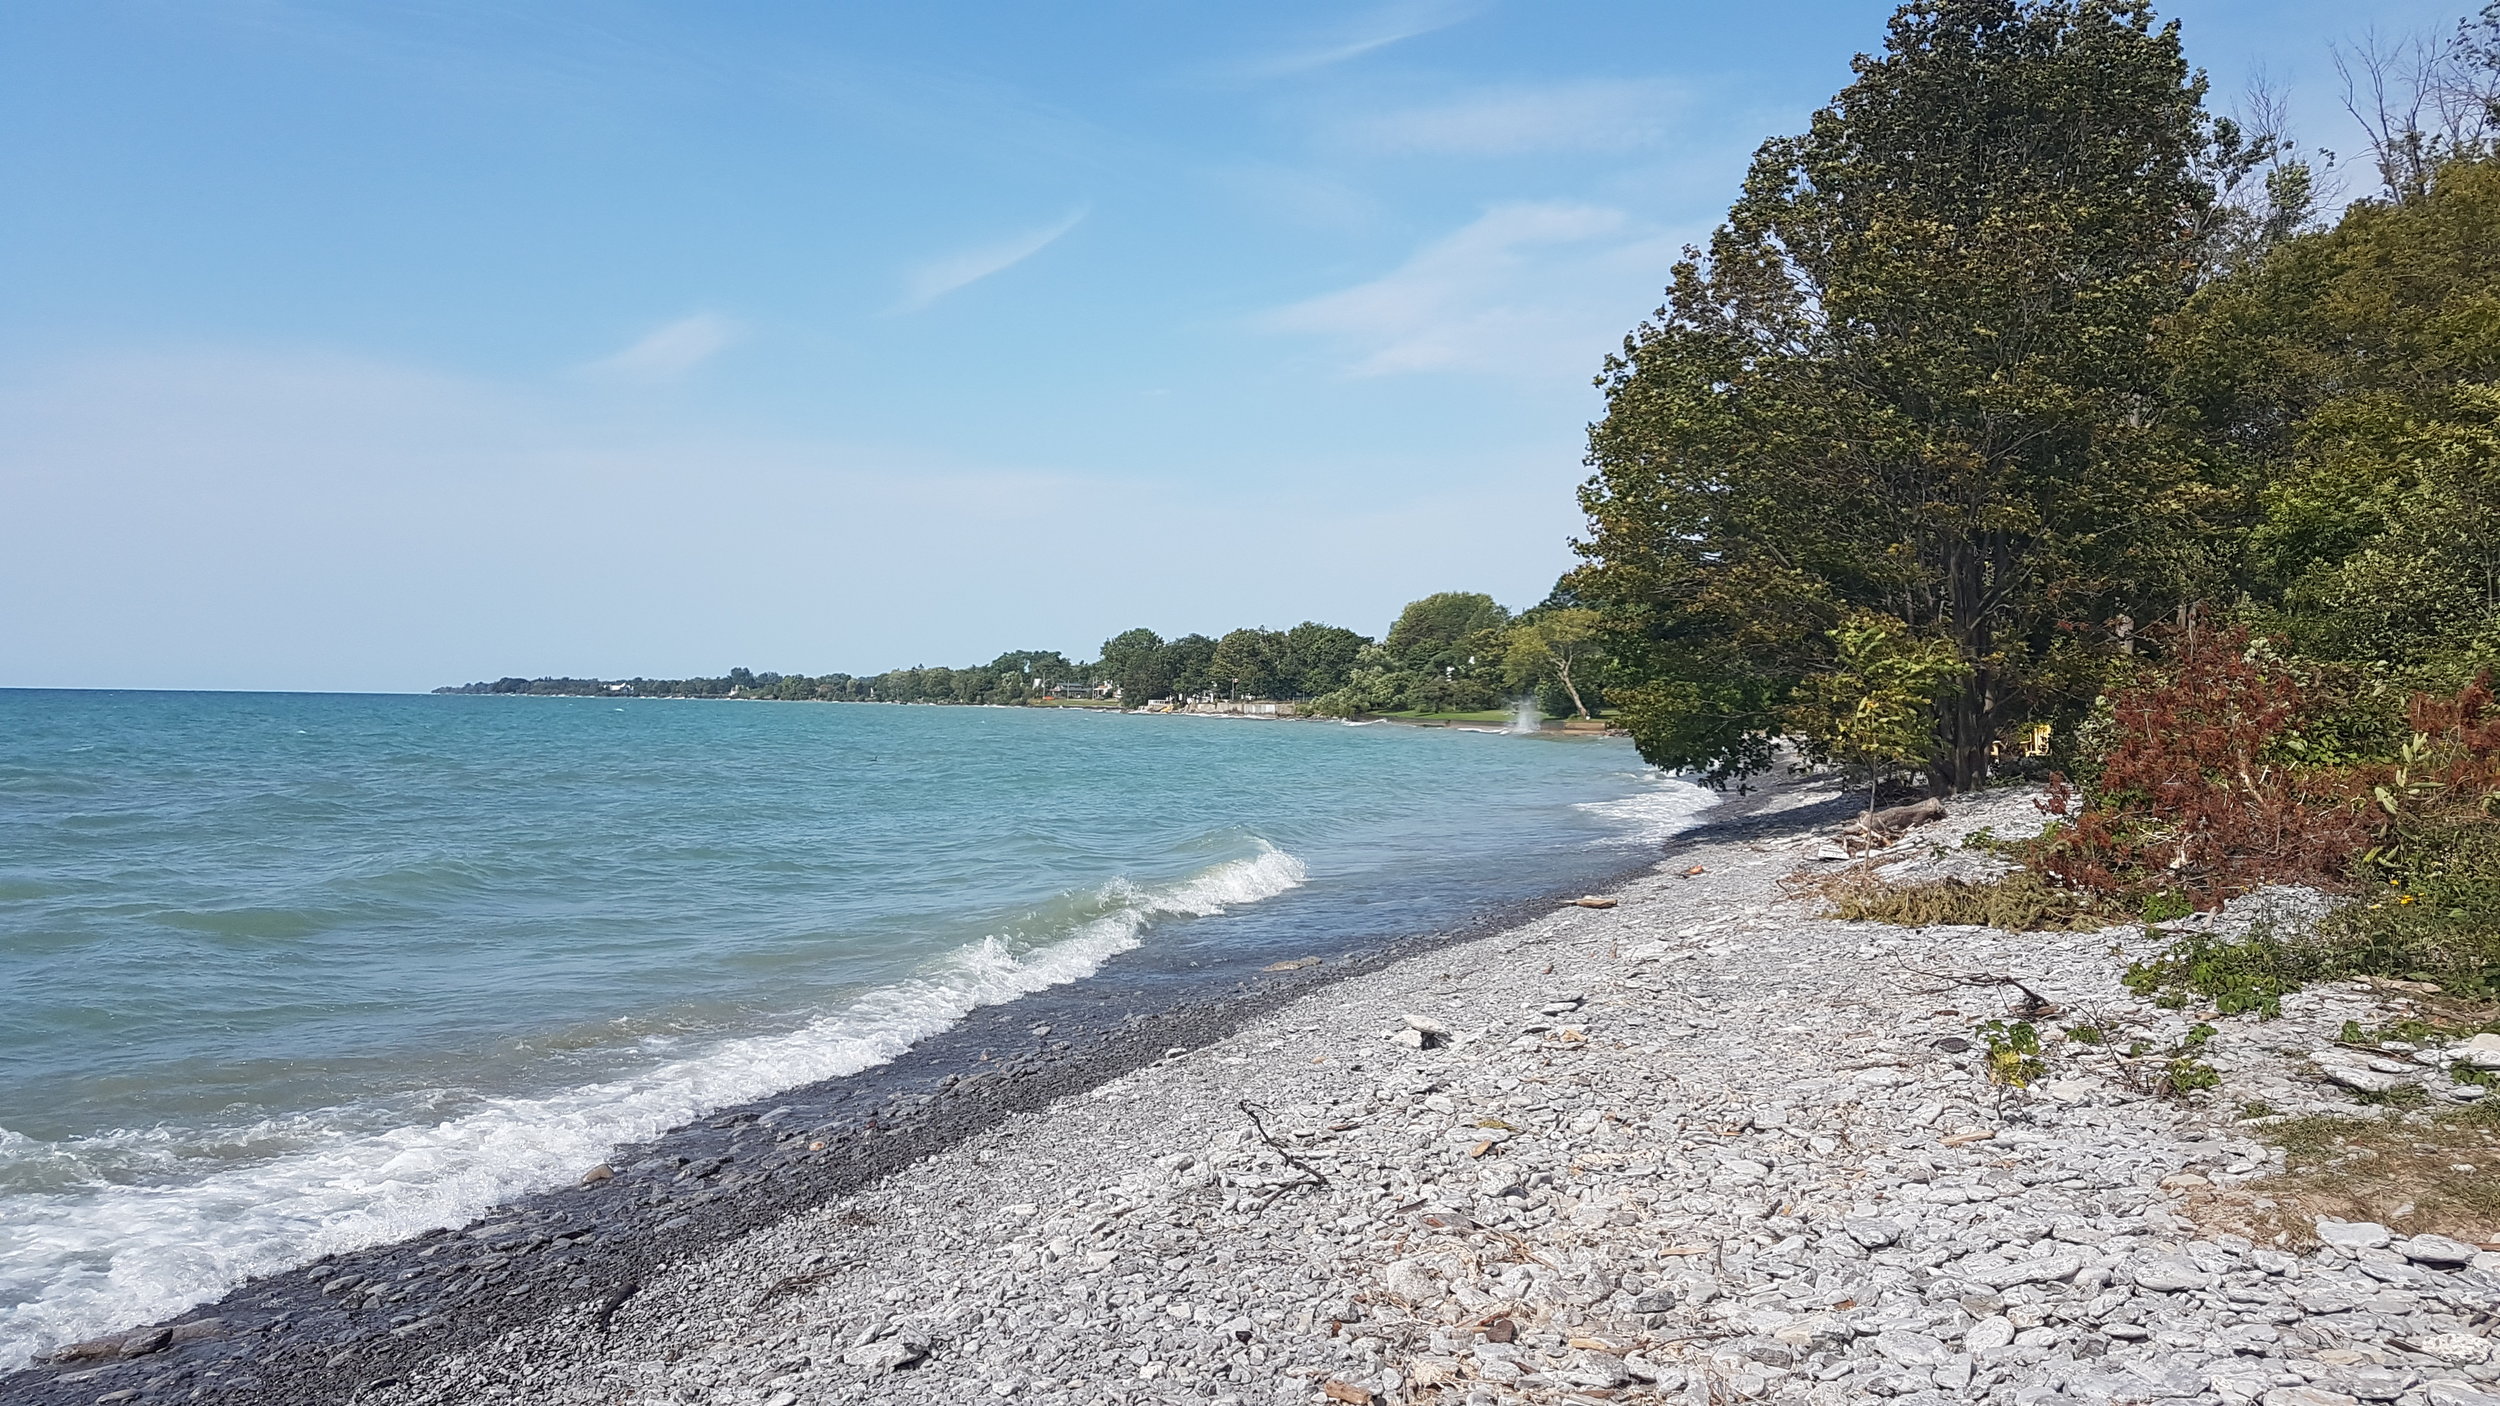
(1134, 662)
(2350, 374)
(1552, 644)
(1439, 631)
(1249, 663)
(1913, 375)
(1874, 708)
(1319, 658)
(1190, 664)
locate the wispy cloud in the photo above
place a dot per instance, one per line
(1373, 30)
(669, 351)
(1535, 290)
(1589, 115)
(938, 277)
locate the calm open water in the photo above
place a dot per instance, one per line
(286, 973)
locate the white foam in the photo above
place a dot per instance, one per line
(101, 1256)
(1665, 807)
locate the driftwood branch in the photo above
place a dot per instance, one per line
(1258, 1126)
(2033, 1005)
(614, 1300)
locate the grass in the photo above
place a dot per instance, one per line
(2020, 902)
(1483, 715)
(2412, 1172)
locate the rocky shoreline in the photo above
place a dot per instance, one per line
(329, 1330)
(1701, 1146)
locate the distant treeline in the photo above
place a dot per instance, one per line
(1451, 652)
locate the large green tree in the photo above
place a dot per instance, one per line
(1248, 663)
(1444, 630)
(1134, 662)
(1912, 374)
(2354, 375)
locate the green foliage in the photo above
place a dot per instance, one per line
(2166, 905)
(1137, 664)
(2434, 915)
(1443, 631)
(2013, 1059)
(2251, 974)
(2349, 375)
(1913, 376)
(1558, 645)
(2182, 1072)
(1874, 708)
(1445, 654)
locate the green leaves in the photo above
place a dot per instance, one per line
(1912, 377)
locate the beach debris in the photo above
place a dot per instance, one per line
(1292, 966)
(1258, 1125)
(1421, 1032)
(893, 1354)
(598, 1174)
(1347, 1392)
(1592, 901)
(1696, 871)
(611, 1301)
(1882, 829)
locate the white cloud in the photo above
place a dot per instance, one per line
(1375, 30)
(1532, 290)
(1592, 115)
(935, 279)
(669, 351)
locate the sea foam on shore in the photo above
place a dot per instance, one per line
(97, 1254)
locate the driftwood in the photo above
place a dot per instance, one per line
(1259, 1126)
(1879, 829)
(614, 1300)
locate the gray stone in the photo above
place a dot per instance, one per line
(2353, 1234)
(895, 1354)
(1912, 1349)
(2464, 1349)
(2170, 1276)
(2373, 1383)
(2437, 1251)
(2307, 1396)
(2456, 1393)
(2361, 1081)
(2044, 1269)
(1874, 1232)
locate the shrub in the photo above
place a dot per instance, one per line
(2200, 795)
(2437, 919)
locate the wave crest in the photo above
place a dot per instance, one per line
(93, 1254)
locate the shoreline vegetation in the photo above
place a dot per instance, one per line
(1453, 657)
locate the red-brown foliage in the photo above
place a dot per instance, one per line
(2193, 797)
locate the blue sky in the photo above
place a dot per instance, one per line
(385, 343)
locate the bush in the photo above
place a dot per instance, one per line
(2201, 795)
(2437, 918)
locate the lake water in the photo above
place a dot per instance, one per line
(288, 973)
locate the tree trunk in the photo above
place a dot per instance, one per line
(1968, 722)
(1563, 671)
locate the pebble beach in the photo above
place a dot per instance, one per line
(1693, 1143)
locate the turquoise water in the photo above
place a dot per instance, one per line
(282, 974)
